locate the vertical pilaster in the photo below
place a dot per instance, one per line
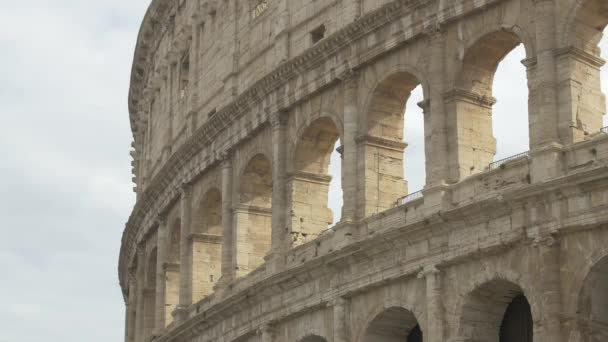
(281, 45)
(544, 120)
(436, 133)
(279, 178)
(434, 309)
(227, 231)
(161, 250)
(551, 304)
(349, 160)
(131, 307)
(341, 327)
(139, 325)
(185, 292)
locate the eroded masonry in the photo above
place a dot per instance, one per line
(236, 106)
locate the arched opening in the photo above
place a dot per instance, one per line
(470, 104)
(584, 104)
(335, 199)
(414, 169)
(313, 338)
(207, 244)
(394, 325)
(253, 215)
(309, 181)
(593, 304)
(497, 311)
(150, 293)
(382, 147)
(172, 270)
(510, 113)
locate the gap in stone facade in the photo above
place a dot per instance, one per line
(510, 113)
(414, 168)
(334, 198)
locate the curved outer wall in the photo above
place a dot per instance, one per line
(235, 107)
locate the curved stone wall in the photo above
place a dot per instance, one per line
(235, 109)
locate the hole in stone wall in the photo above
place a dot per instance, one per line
(317, 34)
(413, 128)
(335, 200)
(510, 113)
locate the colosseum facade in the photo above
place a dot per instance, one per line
(235, 108)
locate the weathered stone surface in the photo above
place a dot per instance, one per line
(235, 109)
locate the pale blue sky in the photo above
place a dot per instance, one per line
(66, 189)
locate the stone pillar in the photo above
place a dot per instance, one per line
(185, 291)
(436, 131)
(281, 45)
(161, 256)
(279, 178)
(434, 309)
(550, 301)
(131, 307)
(544, 119)
(349, 156)
(341, 326)
(227, 233)
(139, 324)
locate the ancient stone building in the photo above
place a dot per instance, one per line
(235, 107)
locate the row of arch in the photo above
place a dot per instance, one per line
(496, 311)
(309, 181)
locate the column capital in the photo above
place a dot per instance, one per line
(161, 219)
(185, 190)
(428, 271)
(546, 240)
(278, 119)
(339, 302)
(350, 77)
(225, 158)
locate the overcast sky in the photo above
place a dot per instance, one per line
(65, 174)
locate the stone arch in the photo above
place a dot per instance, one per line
(253, 214)
(585, 24)
(579, 63)
(496, 310)
(469, 103)
(309, 179)
(392, 323)
(592, 307)
(207, 244)
(381, 142)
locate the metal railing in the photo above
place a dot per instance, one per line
(410, 198)
(499, 163)
(604, 130)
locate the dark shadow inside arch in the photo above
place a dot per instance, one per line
(395, 324)
(593, 304)
(497, 311)
(313, 338)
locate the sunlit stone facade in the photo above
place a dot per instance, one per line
(236, 106)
